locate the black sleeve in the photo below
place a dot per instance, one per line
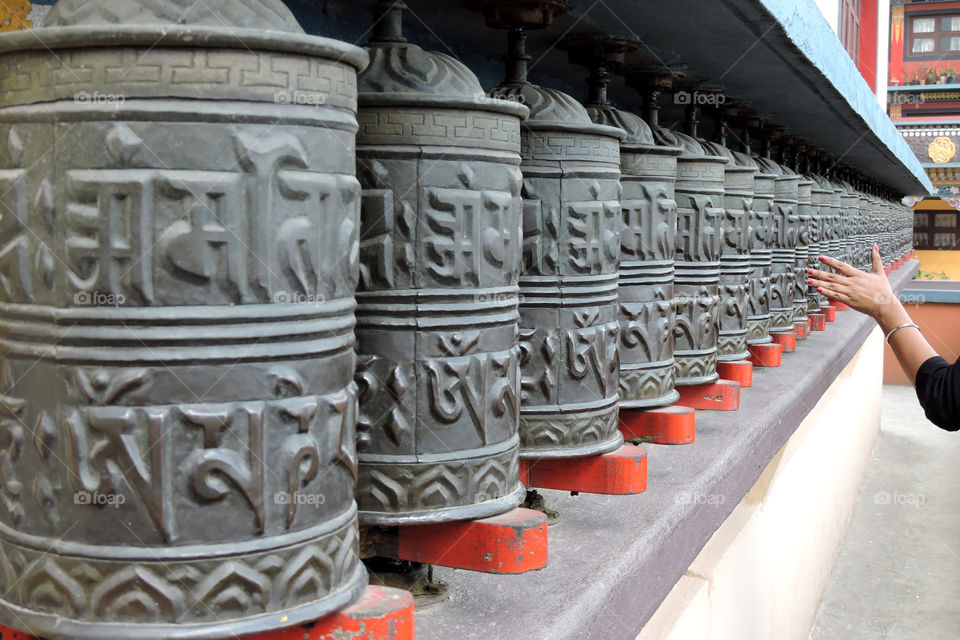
(938, 388)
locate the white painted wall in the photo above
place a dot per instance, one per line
(883, 50)
(762, 573)
(831, 11)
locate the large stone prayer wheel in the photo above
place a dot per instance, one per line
(177, 293)
(438, 299)
(785, 229)
(647, 246)
(738, 185)
(569, 327)
(699, 195)
(804, 224)
(761, 253)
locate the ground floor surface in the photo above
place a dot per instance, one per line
(897, 576)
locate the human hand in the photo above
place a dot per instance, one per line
(868, 293)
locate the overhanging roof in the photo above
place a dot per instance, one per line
(781, 57)
(778, 56)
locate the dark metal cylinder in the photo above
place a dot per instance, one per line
(761, 254)
(738, 184)
(835, 221)
(178, 310)
(804, 224)
(820, 199)
(569, 329)
(786, 226)
(648, 247)
(699, 194)
(849, 212)
(437, 319)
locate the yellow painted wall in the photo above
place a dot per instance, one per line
(936, 261)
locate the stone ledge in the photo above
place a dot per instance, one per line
(924, 291)
(613, 559)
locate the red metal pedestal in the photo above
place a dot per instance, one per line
(740, 372)
(10, 634)
(620, 472)
(787, 340)
(840, 306)
(381, 613)
(722, 395)
(512, 542)
(664, 425)
(830, 312)
(818, 321)
(766, 355)
(802, 329)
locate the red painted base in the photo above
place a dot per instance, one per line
(10, 634)
(802, 329)
(381, 613)
(766, 355)
(830, 312)
(665, 425)
(722, 395)
(818, 322)
(787, 340)
(740, 372)
(512, 542)
(620, 472)
(839, 306)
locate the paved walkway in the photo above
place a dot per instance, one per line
(898, 573)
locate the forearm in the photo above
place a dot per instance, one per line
(908, 344)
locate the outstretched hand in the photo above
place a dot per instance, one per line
(867, 292)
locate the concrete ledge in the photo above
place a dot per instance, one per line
(923, 291)
(613, 559)
(765, 568)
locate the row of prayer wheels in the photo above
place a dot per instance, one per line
(260, 294)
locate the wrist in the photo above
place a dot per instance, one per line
(890, 315)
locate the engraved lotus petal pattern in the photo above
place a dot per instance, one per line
(271, 15)
(401, 68)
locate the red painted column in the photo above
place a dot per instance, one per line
(867, 52)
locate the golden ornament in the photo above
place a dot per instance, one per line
(13, 15)
(942, 149)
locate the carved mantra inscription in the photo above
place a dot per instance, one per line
(437, 322)
(569, 329)
(177, 410)
(167, 236)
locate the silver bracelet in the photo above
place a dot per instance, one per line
(897, 328)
